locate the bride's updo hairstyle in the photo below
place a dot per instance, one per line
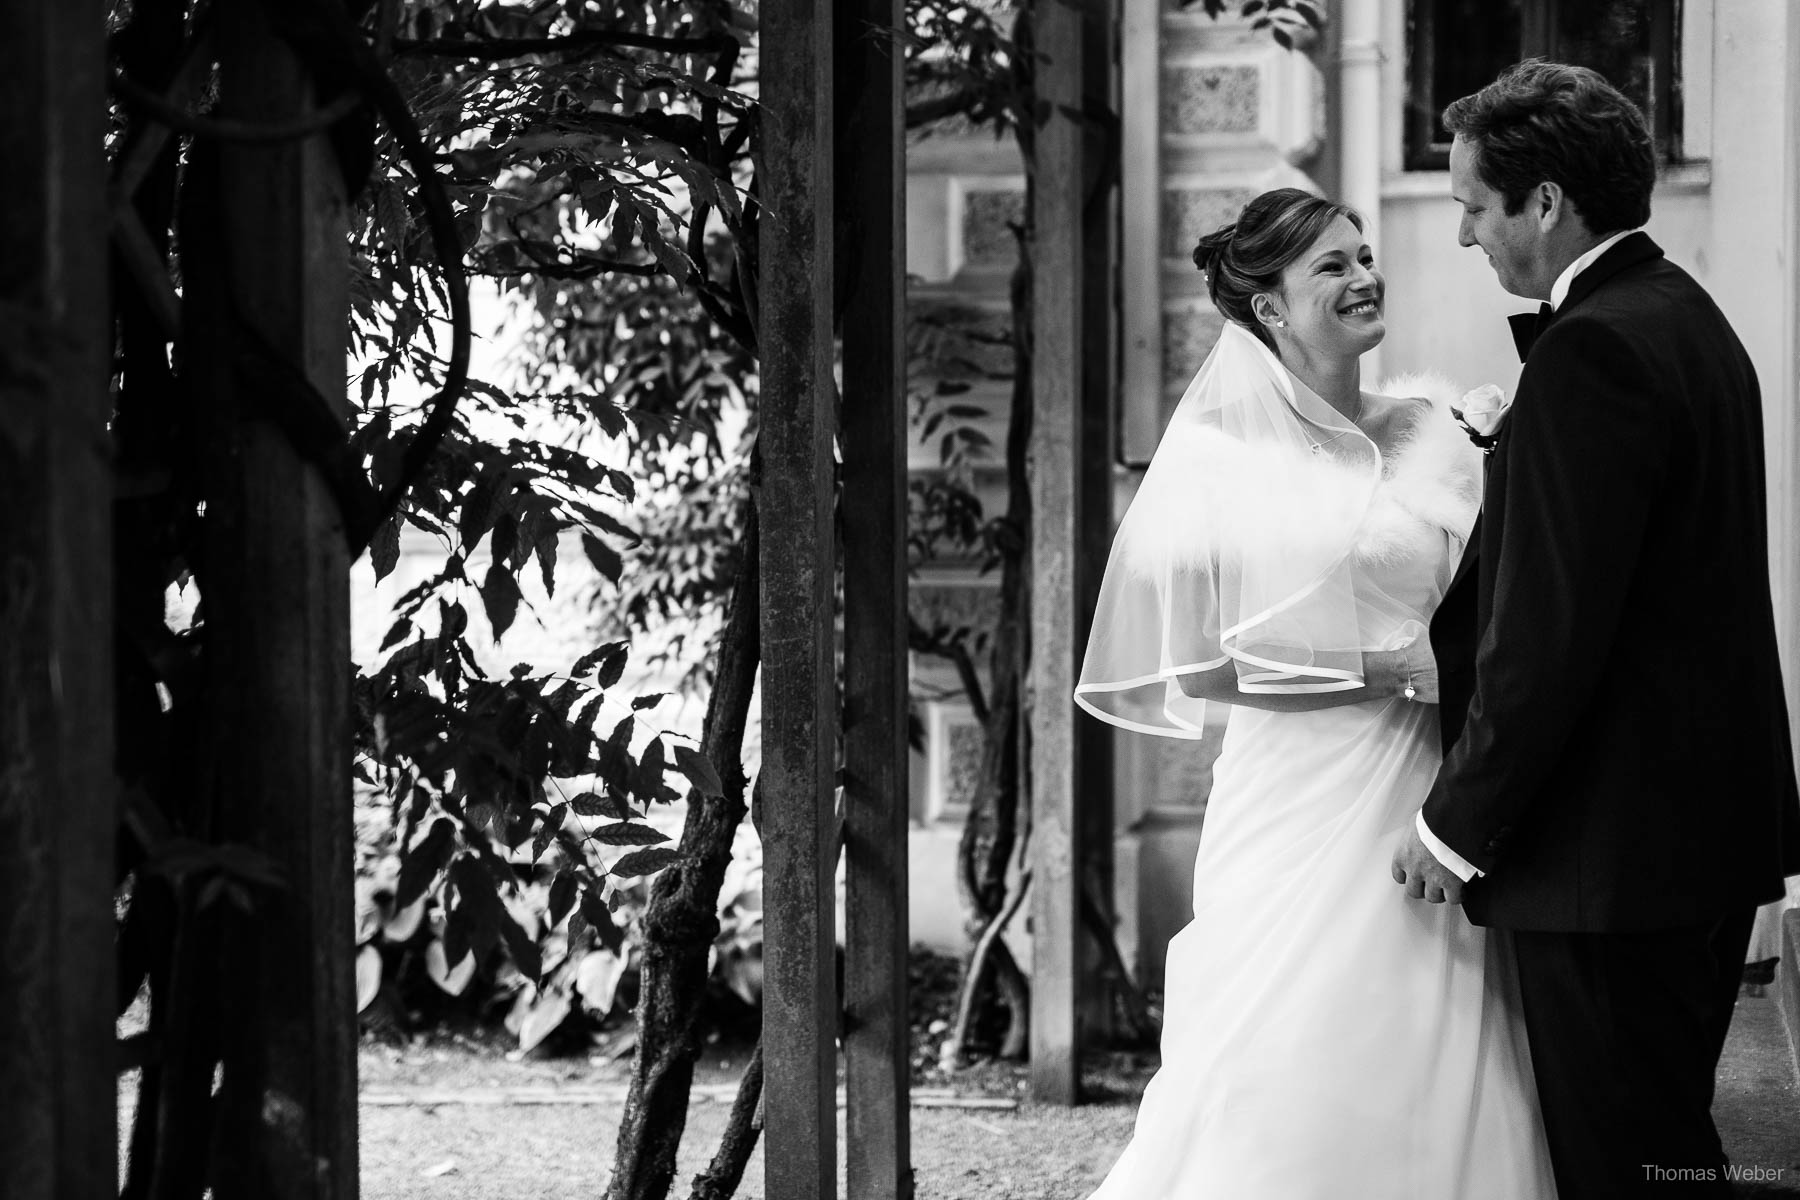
(1246, 258)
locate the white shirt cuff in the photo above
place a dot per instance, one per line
(1461, 867)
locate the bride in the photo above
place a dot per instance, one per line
(1323, 1038)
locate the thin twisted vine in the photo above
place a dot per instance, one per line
(324, 35)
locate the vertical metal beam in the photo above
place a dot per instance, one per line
(1061, 281)
(794, 176)
(871, 243)
(1142, 249)
(1100, 368)
(58, 1128)
(277, 612)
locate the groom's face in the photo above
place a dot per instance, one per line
(1513, 243)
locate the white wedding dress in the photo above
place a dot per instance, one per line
(1324, 1037)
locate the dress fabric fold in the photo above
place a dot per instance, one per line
(1324, 1037)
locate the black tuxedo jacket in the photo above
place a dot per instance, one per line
(1617, 751)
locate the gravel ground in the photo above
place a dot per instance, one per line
(536, 1148)
(557, 1152)
(1757, 1106)
(473, 1152)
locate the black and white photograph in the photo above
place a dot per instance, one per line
(900, 600)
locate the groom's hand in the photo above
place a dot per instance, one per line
(1422, 875)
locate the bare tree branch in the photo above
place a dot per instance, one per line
(721, 1178)
(938, 108)
(919, 640)
(965, 1009)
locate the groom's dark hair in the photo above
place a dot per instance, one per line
(1549, 122)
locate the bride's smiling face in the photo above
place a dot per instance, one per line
(1332, 297)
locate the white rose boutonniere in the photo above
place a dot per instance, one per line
(1480, 413)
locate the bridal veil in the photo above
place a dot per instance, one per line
(1239, 548)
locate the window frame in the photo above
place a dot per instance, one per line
(1538, 18)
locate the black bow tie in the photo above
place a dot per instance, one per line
(1527, 326)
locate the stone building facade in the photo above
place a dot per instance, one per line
(1213, 113)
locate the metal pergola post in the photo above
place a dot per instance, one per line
(799, 701)
(58, 1125)
(1072, 380)
(278, 634)
(871, 242)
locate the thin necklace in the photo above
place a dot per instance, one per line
(1318, 446)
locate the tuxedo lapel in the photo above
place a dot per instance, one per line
(1628, 251)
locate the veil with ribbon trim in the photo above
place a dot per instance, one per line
(1238, 548)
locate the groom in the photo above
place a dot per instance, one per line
(1618, 787)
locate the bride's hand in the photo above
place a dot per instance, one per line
(1391, 672)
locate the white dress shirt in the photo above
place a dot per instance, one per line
(1461, 867)
(1559, 291)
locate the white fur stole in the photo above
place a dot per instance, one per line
(1210, 493)
(1432, 483)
